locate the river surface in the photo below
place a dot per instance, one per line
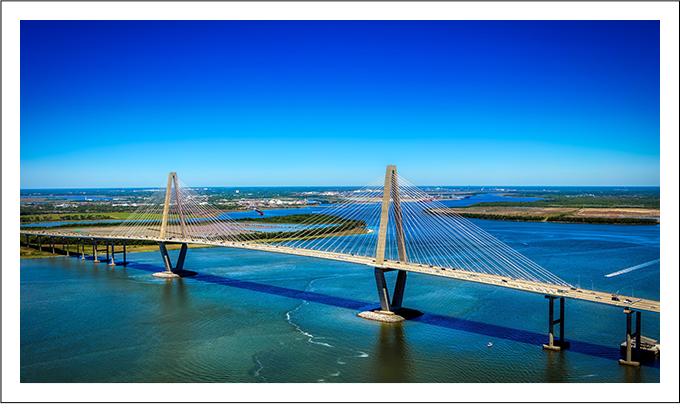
(253, 316)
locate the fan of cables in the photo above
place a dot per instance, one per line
(430, 234)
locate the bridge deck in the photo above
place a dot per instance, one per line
(495, 280)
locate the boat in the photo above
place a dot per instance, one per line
(490, 345)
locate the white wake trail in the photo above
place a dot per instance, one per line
(623, 271)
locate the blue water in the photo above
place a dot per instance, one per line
(264, 317)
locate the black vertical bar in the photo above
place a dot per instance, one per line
(561, 319)
(399, 287)
(124, 259)
(382, 289)
(638, 333)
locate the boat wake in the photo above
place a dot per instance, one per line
(623, 271)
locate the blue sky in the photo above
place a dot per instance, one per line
(239, 103)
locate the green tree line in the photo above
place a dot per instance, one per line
(647, 201)
(564, 218)
(29, 219)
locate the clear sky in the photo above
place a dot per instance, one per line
(238, 103)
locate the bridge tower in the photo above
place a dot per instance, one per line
(390, 310)
(177, 271)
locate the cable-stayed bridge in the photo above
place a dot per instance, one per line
(389, 225)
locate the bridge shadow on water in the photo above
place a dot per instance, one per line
(476, 327)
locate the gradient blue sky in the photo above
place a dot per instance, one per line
(238, 103)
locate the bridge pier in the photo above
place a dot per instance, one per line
(67, 248)
(383, 292)
(113, 247)
(390, 311)
(561, 343)
(177, 271)
(52, 244)
(629, 337)
(94, 251)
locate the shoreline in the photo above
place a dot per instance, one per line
(619, 216)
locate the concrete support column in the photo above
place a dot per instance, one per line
(555, 345)
(166, 258)
(629, 338)
(390, 311)
(107, 250)
(39, 244)
(178, 271)
(68, 255)
(82, 255)
(399, 290)
(94, 250)
(124, 258)
(113, 247)
(52, 244)
(384, 294)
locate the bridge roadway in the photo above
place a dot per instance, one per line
(495, 280)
